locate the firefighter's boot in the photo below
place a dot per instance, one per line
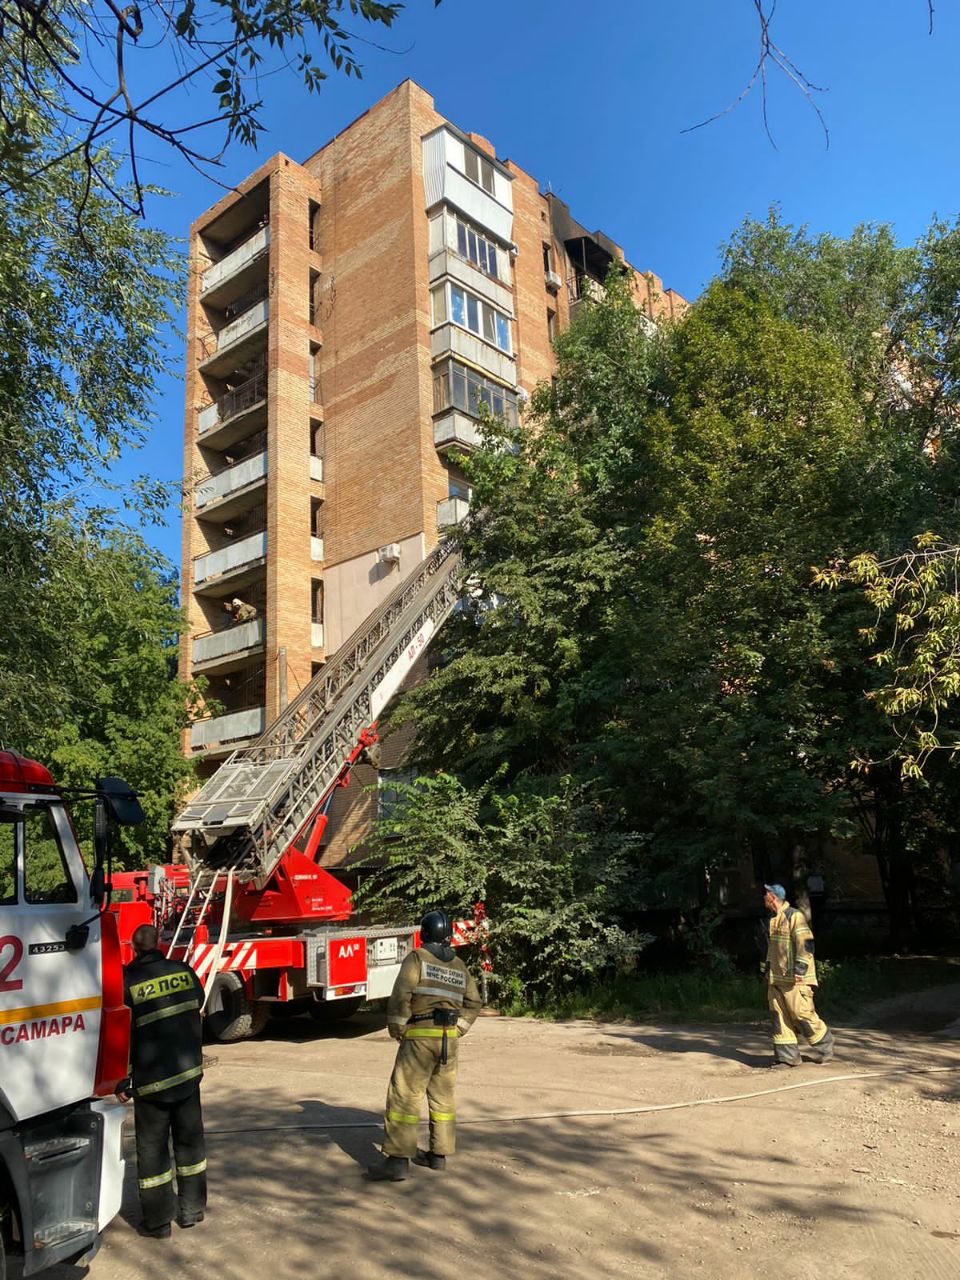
(822, 1051)
(390, 1169)
(428, 1160)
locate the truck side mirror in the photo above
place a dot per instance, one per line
(121, 801)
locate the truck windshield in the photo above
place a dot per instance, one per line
(46, 877)
(8, 858)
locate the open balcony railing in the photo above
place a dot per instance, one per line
(234, 478)
(221, 644)
(252, 318)
(235, 261)
(234, 727)
(214, 563)
(236, 401)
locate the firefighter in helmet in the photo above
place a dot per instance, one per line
(165, 999)
(791, 982)
(434, 1002)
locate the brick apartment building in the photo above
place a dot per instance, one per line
(346, 317)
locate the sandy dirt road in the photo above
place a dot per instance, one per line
(848, 1179)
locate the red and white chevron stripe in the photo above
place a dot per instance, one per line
(236, 956)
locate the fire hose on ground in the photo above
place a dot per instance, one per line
(608, 1112)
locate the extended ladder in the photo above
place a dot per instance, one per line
(248, 814)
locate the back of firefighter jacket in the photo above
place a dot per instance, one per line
(790, 950)
(433, 978)
(166, 1052)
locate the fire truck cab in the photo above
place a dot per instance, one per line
(64, 1029)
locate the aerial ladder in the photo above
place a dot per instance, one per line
(255, 915)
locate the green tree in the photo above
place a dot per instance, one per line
(647, 619)
(88, 614)
(555, 877)
(106, 698)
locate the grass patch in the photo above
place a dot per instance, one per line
(845, 987)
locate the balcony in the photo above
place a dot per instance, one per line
(232, 728)
(218, 650)
(316, 635)
(235, 268)
(216, 492)
(316, 548)
(227, 349)
(242, 554)
(454, 430)
(316, 468)
(235, 414)
(449, 339)
(452, 511)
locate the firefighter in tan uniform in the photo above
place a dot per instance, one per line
(791, 982)
(435, 1001)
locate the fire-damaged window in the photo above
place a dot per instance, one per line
(45, 874)
(390, 797)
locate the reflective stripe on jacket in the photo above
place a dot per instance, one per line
(166, 1051)
(790, 949)
(427, 982)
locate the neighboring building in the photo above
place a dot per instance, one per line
(346, 318)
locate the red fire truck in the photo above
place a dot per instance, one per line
(64, 1029)
(264, 926)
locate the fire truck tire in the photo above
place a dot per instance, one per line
(234, 1017)
(328, 1011)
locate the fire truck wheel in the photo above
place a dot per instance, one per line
(231, 1016)
(327, 1011)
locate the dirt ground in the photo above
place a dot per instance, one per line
(850, 1178)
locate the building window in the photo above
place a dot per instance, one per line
(457, 387)
(547, 258)
(314, 216)
(316, 600)
(479, 170)
(389, 796)
(315, 297)
(477, 249)
(316, 439)
(453, 302)
(316, 517)
(551, 325)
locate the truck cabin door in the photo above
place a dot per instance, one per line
(50, 996)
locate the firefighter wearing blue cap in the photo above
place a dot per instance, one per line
(791, 981)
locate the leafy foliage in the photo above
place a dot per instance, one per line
(549, 870)
(88, 613)
(646, 619)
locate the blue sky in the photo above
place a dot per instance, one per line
(594, 100)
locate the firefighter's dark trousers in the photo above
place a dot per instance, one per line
(156, 1123)
(792, 1014)
(418, 1071)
